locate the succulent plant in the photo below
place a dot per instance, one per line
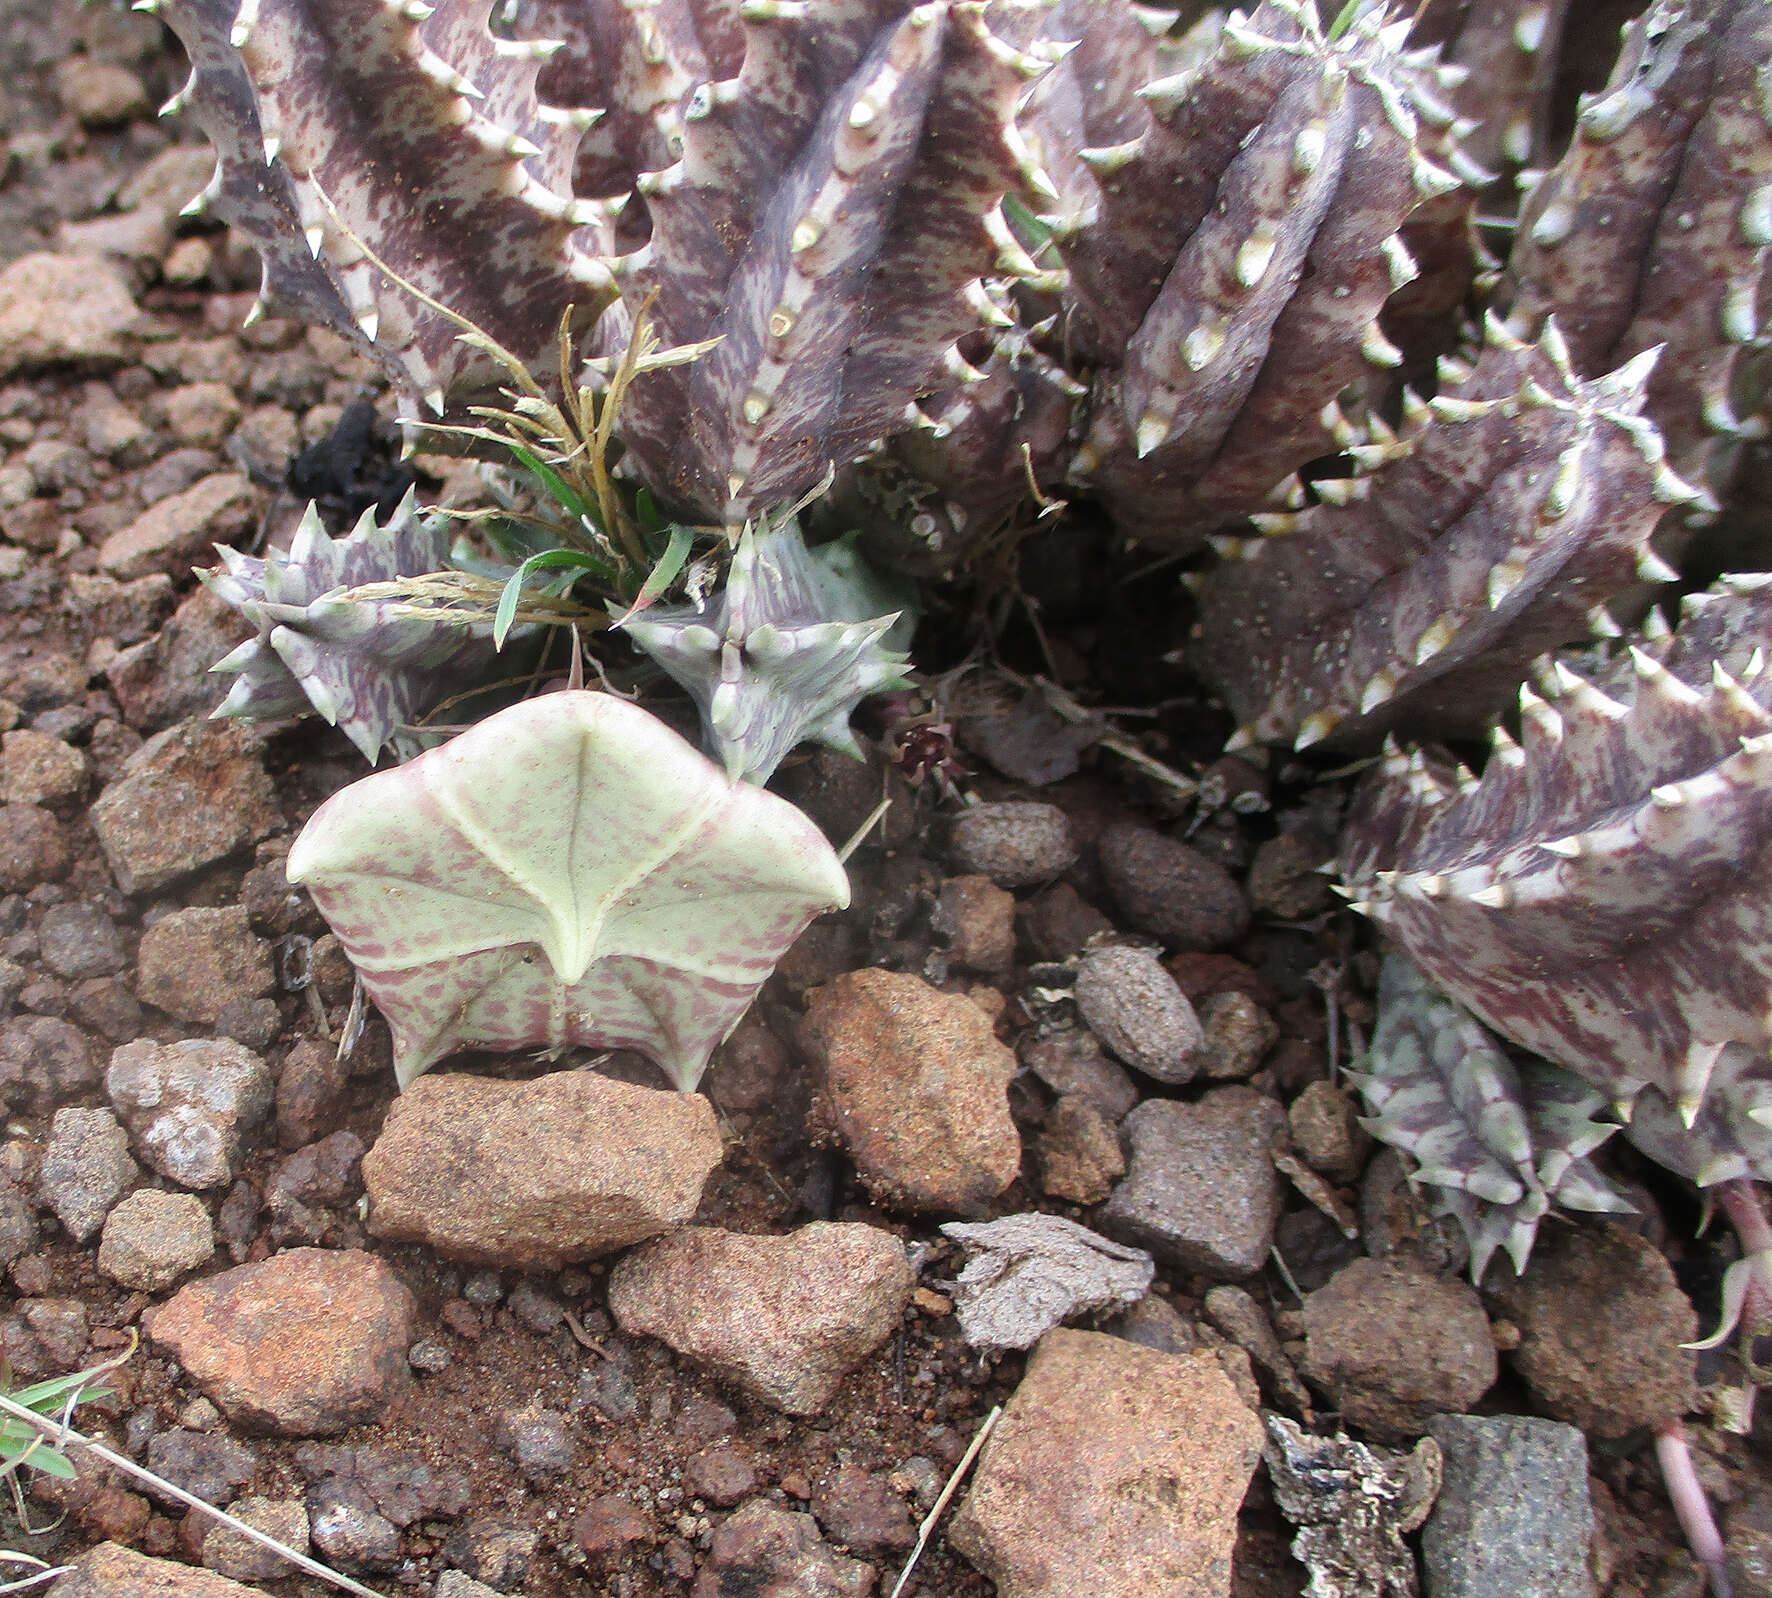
(459, 179)
(1653, 229)
(1238, 248)
(1499, 1143)
(370, 666)
(782, 654)
(1597, 896)
(1512, 507)
(567, 871)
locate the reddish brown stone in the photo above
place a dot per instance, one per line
(1114, 1470)
(537, 1174)
(307, 1343)
(916, 1085)
(783, 1318)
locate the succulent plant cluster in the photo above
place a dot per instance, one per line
(1311, 291)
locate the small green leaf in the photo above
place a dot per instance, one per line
(556, 485)
(662, 576)
(547, 559)
(1344, 18)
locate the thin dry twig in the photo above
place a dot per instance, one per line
(927, 1529)
(63, 1436)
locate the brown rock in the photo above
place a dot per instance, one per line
(100, 94)
(60, 308)
(1238, 1032)
(45, 1062)
(783, 1318)
(1080, 1158)
(201, 414)
(310, 1342)
(750, 1069)
(311, 1085)
(1115, 1472)
(724, 1474)
(232, 1553)
(109, 1571)
(153, 1238)
(1283, 878)
(177, 533)
(165, 678)
(1170, 891)
(1601, 1320)
(1057, 922)
(36, 769)
(31, 848)
(1326, 1132)
(977, 918)
(770, 1551)
(43, 681)
(916, 1086)
(607, 1524)
(188, 797)
(537, 1174)
(195, 962)
(1395, 1346)
(861, 1513)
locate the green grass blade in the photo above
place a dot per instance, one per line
(512, 592)
(662, 575)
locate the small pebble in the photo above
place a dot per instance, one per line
(1238, 1033)
(86, 1169)
(153, 1238)
(1170, 891)
(1015, 844)
(1134, 1006)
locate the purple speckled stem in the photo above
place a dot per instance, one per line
(1686, 1493)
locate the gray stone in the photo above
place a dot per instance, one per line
(86, 1169)
(538, 1441)
(209, 1465)
(1071, 1062)
(1202, 1193)
(153, 1238)
(188, 797)
(77, 941)
(188, 1105)
(1513, 1515)
(19, 1232)
(1136, 1008)
(453, 1584)
(1015, 844)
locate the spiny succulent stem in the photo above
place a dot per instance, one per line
(1686, 1493)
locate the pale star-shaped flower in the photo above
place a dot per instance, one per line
(568, 871)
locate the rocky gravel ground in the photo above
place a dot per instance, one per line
(557, 1331)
